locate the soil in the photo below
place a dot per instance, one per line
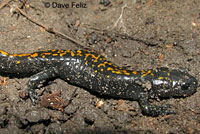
(136, 34)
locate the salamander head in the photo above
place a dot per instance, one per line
(179, 84)
(185, 85)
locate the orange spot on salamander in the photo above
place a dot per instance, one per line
(61, 54)
(68, 51)
(72, 54)
(34, 55)
(79, 52)
(55, 54)
(102, 64)
(125, 72)
(86, 56)
(3, 52)
(20, 55)
(148, 72)
(110, 68)
(134, 72)
(45, 54)
(117, 72)
(166, 78)
(60, 51)
(143, 71)
(114, 65)
(93, 56)
(96, 58)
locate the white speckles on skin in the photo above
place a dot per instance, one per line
(159, 82)
(126, 78)
(174, 83)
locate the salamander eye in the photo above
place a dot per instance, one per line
(185, 86)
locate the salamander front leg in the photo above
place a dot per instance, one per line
(153, 110)
(35, 80)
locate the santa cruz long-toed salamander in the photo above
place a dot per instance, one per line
(92, 71)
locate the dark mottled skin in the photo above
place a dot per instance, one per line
(92, 71)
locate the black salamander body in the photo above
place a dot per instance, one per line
(92, 71)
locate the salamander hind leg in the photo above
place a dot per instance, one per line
(152, 110)
(35, 80)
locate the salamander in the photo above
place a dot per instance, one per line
(94, 72)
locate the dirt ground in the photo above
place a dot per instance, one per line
(137, 34)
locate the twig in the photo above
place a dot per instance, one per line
(120, 18)
(123, 36)
(51, 30)
(4, 3)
